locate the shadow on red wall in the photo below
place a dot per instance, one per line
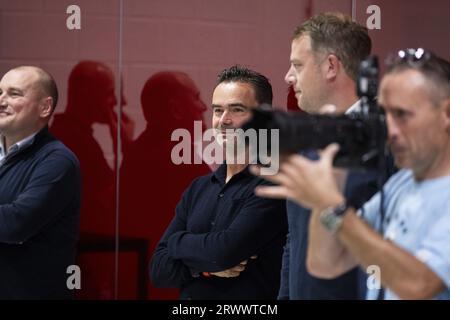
(151, 184)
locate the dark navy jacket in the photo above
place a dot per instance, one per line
(39, 219)
(216, 226)
(296, 282)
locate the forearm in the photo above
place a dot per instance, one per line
(401, 272)
(255, 227)
(213, 252)
(166, 272)
(53, 186)
(327, 256)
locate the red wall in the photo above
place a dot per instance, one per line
(198, 37)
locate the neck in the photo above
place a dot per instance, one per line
(237, 160)
(440, 167)
(343, 95)
(343, 103)
(233, 169)
(11, 139)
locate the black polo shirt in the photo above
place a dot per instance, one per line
(216, 226)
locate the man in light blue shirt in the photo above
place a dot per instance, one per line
(418, 220)
(408, 250)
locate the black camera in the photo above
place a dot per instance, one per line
(361, 135)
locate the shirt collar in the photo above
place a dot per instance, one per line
(356, 107)
(20, 145)
(221, 173)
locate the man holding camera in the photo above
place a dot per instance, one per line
(325, 56)
(408, 244)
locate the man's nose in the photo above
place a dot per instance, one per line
(392, 129)
(2, 100)
(225, 118)
(289, 77)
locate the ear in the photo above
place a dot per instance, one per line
(332, 67)
(46, 107)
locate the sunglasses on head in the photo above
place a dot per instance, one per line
(411, 56)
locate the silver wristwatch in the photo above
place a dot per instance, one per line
(331, 218)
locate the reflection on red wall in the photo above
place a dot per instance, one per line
(91, 100)
(151, 184)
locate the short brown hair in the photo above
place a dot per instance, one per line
(336, 33)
